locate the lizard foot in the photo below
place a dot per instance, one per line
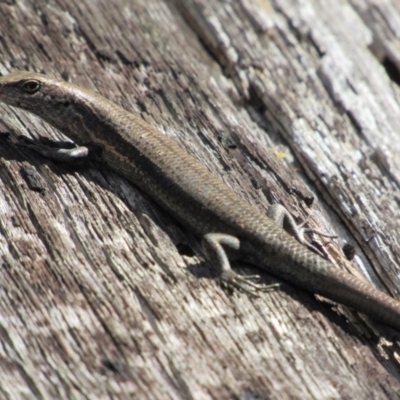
(231, 280)
(213, 247)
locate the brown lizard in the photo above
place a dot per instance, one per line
(192, 194)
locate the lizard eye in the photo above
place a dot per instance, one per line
(31, 86)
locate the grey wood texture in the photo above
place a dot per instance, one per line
(103, 295)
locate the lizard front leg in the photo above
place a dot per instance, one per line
(54, 152)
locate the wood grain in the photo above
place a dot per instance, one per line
(103, 295)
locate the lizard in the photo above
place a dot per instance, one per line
(198, 199)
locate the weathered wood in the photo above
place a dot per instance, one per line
(104, 295)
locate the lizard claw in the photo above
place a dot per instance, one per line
(231, 280)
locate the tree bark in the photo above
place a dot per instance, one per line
(104, 295)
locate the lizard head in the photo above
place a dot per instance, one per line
(32, 92)
(63, 105)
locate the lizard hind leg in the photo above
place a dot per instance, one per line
(213, 247)
(285, 220)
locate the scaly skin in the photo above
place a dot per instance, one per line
(186, 189)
